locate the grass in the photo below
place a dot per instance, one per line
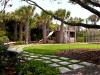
(52, 48)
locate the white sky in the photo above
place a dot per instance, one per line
(76, 10)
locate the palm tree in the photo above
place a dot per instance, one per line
(16, 19)
(61, 13)
(27, 12)
(45, 22)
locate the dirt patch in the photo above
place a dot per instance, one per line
(88, 55)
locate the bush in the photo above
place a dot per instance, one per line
(3, 55)
(20, 42)
(34, 67)
(4, 39)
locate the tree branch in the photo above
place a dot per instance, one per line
(94, 3)
(71, 24)
(5, 4)
(87, 7)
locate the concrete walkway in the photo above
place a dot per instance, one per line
(63, 64)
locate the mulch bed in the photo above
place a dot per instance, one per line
(88, 55)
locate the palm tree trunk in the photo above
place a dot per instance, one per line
(15, 30)
(61, 33)
(20, 32)
(27, 31)
(44, 33)
(47, 27)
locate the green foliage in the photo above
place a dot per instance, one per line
(20, 42)
(80, 39)
(34, 67)
(3, 55)
(53, 26)
(3, 38)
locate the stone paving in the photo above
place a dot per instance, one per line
(63, 64)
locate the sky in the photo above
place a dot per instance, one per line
(76, 10)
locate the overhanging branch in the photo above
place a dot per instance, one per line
(4, 4)
(92, 10)
(94, 3)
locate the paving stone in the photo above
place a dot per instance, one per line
(86, 63)
(64, 63)
(25, 52)
(63, 69)
(29, 58)
(22, 61)
(39, 55)
(54, 65)
(45, 57)
(55, 60)
(75, 66)
(34, 56)
(63, 58)
(38, 59)
(47, 61)
(74, 61)
(25, 55)
(53, 56)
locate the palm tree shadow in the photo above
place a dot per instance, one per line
(88, 70)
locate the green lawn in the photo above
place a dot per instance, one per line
(52, 48)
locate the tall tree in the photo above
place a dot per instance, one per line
(27, 12)
(61, 13)
(45, 22)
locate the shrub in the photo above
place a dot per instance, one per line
(3, 55)
(34, 67)
(4, 39)
(20, 42)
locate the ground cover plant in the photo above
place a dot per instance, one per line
(53, 48)
(35, 67)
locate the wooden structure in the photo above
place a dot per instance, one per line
(69, 34)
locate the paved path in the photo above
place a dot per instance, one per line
(64, 64)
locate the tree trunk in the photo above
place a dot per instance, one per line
(26, 31)
(20, 32)
(47, 27)
(68, 34)
(15, 31)
(29, 40)
(61, 33)
(44, 33)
